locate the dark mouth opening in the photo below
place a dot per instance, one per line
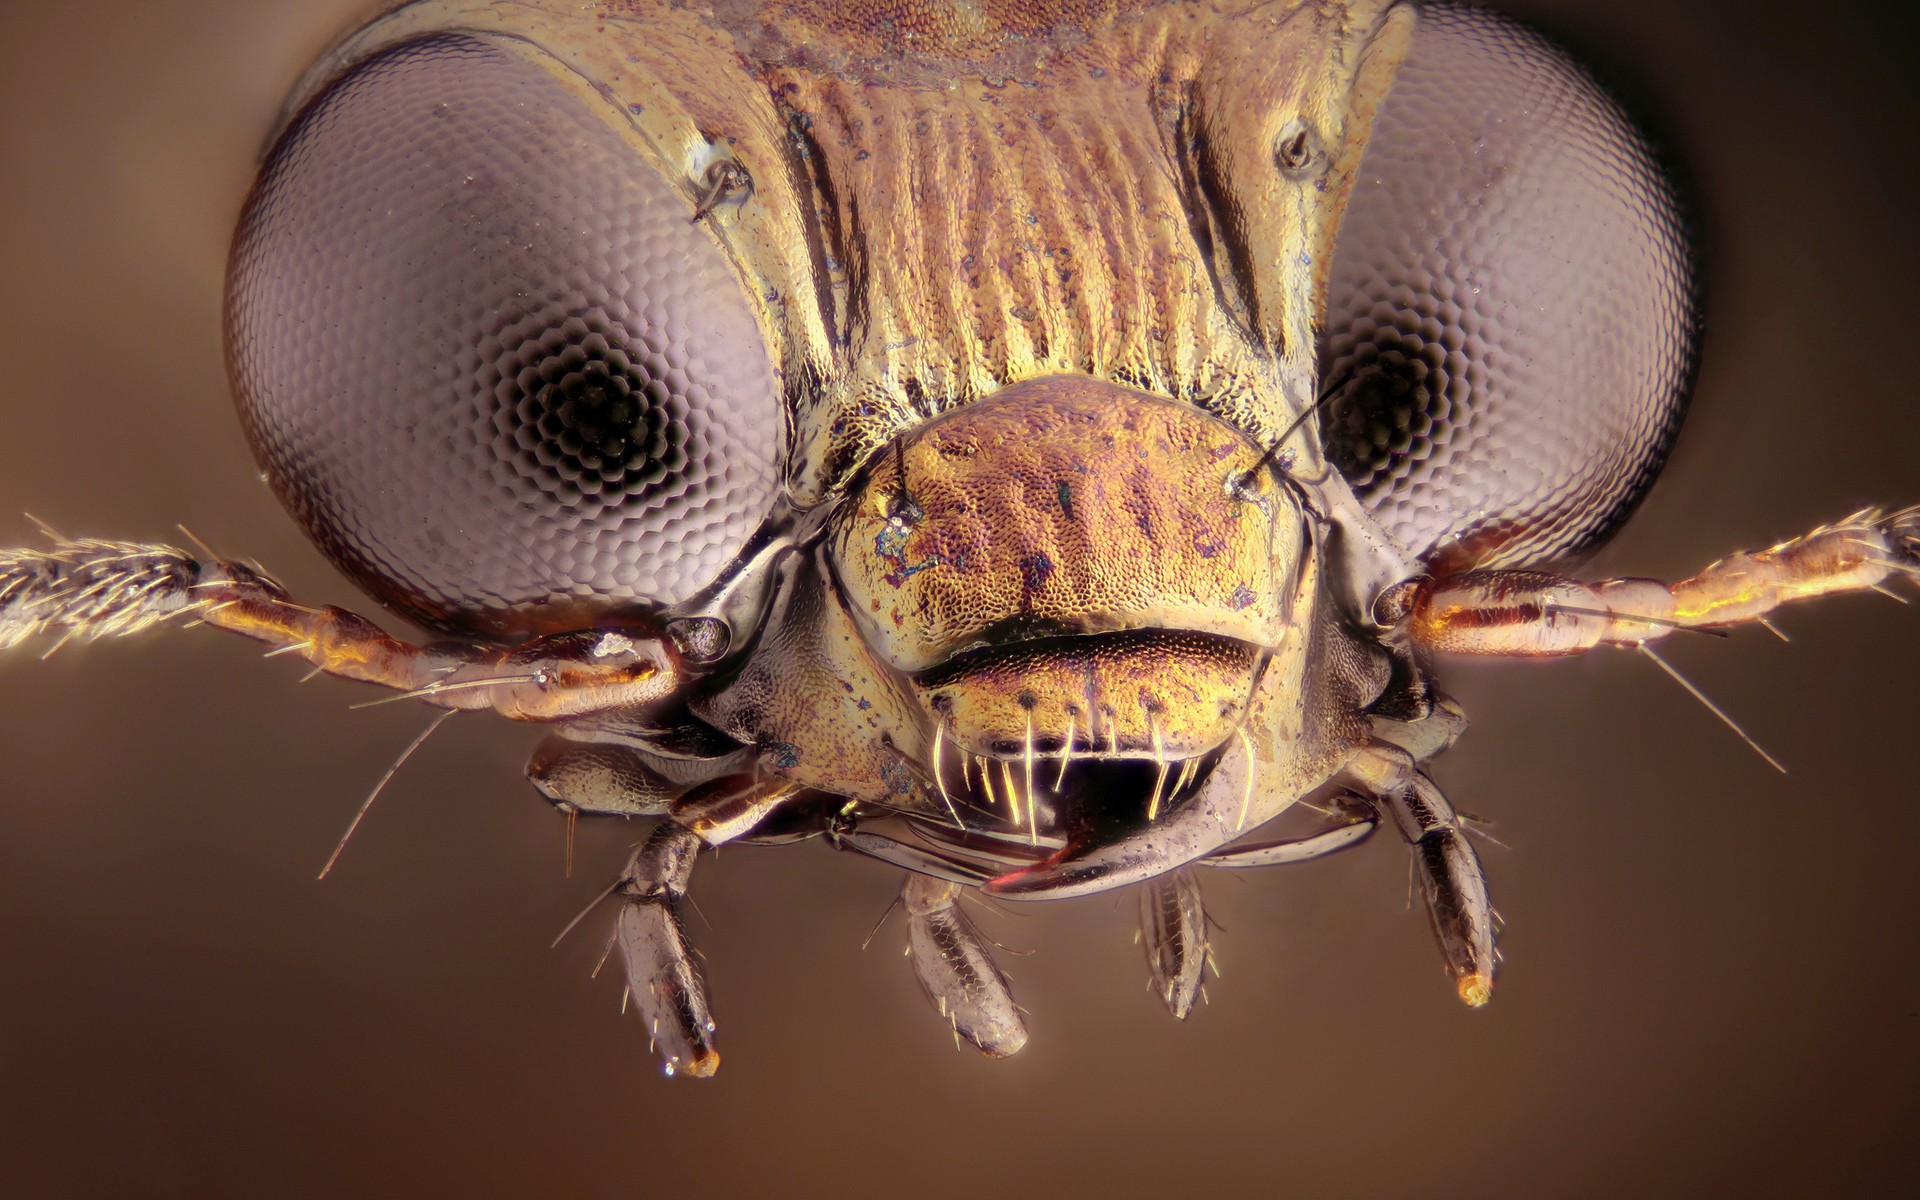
(1068, 807)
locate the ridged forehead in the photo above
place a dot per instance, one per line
(918, 43)
(952, 198)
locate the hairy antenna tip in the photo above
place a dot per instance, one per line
(702, 1065)
(1476, 989)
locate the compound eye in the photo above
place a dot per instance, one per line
(484, 353)
(1511, 309)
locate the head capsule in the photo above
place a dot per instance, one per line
(1085, 587)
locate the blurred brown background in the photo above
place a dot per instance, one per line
(1713, 973)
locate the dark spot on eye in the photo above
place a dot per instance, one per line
(593, 425)
(785, 755)
(1241, 598)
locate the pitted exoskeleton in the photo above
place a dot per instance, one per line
(1038, 452)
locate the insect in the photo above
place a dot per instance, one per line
(1068, 569)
